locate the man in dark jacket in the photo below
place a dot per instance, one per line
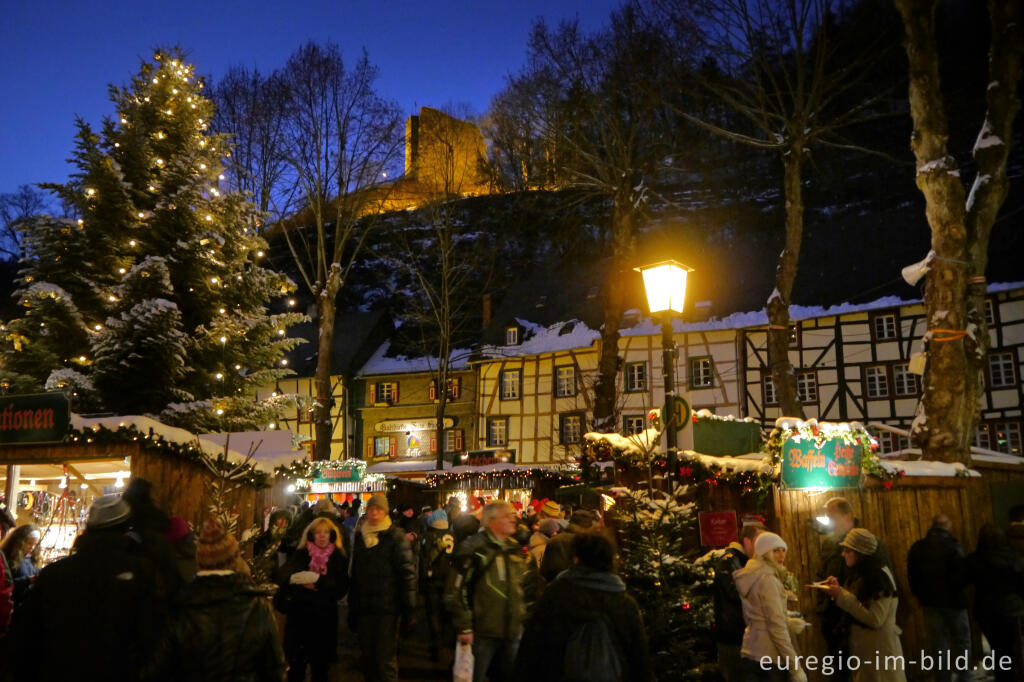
(485, 595)
(586, 594)
(382, 591)
(435, 555)
(221, 627)
(937, 572)
(107, 576)
(558, 552)
(729, 624)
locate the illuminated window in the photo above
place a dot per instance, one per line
(1008, 437)
(385, 392)
(876, 381)
(990, 312)
(636, 376)
(702, 373)
(511, 336)
(382, 446)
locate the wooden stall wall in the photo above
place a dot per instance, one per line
(178, 489)
(898, 517)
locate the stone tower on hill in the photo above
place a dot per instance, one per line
(444, 155)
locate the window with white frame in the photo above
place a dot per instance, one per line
(382, 446)
(702, 373)
(1000, 370)
(886, 441)
(885, 327)
(903, 381)
(903, 442)
(632, 424)
(981, 437)
(807, 387)
(511, 336)
(565, 381)
(497, 431)
(510, 383)
(876, 382)
(636, 376)
(571, 428)
(990, 312)
(386, 392)
(1008, 437)
(770, 396)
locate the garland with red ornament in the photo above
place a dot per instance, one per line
(853, 434)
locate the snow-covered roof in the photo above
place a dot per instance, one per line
(276, 448)
(538, 339)
(756, 462)
(272, 448)
(404, 466)
(927, 468)
(379, 363)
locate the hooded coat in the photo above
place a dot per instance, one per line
(577, 596)
(764, 610)
(729, 623)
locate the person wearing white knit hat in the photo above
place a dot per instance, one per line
(767, 650)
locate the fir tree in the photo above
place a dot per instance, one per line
(154, 290)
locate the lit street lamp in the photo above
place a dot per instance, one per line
(665, 285)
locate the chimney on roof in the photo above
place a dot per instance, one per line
(702, 311)
(486, 313)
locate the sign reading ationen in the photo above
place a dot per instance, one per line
(35, 418)
(833, 464)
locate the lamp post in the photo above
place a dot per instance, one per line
(665, 285)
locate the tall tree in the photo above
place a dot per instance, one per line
(251, 108)
(341, 137)
(597, 95)
(156, 264)
(961, 222)
(792, 81)
(15, 208)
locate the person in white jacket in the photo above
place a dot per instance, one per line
(767, 651)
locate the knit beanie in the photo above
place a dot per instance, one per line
(549, 527)
(860, 541)
(438, 519)
(379, 500)
(766, 542)
(550, 510)
(216, 549)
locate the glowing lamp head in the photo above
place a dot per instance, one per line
(665, 285)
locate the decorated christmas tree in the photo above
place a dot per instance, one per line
(152, 297)
(659, 551)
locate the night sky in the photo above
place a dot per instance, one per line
(57, 57)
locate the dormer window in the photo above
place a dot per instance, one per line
(511, 336)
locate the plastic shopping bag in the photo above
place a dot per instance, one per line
(462, 671)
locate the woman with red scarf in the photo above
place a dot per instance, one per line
(315, 578)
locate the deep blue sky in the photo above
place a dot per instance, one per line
(57, 57)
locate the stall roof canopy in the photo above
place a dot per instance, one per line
(275, 448)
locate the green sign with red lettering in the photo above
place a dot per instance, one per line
(34, 418)
(810, 463)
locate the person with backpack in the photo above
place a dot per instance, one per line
(585, 626)
(436, 546)
(728, 608)
(485, 596)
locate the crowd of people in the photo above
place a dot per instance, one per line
(142, 596)
(757, 614)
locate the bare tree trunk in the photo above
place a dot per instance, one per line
(942, 427)
(326, 309)
(785, 275)
(606, 386)
(991, 184)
